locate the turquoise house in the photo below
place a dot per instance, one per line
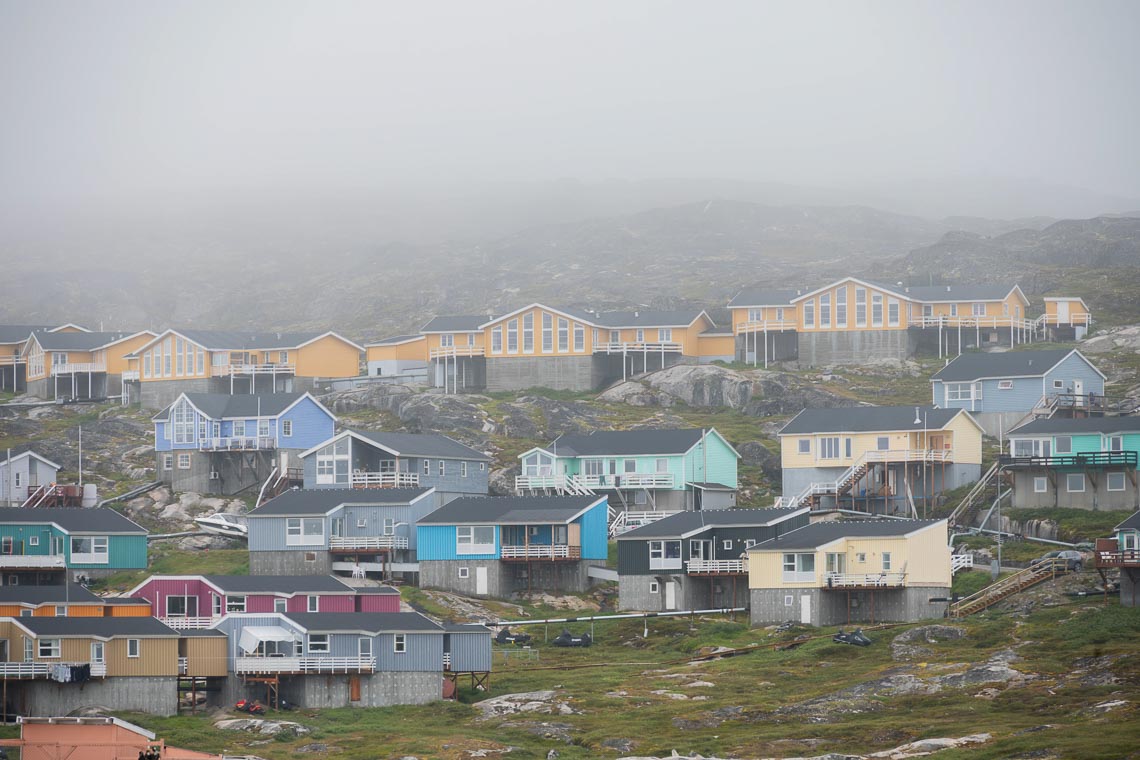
(1123, 552)
(641, 470)
(45, 546)
(1086, 463)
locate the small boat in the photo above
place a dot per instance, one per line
(224, 524)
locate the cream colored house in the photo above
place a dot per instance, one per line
(851, 571)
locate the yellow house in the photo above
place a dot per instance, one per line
(880, 459)
(1065, 318)
(845, 571)
(12, 363)
(70, 362)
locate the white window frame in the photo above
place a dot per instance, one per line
(49, 649)
(580, 337)
(726, 544)
(1068, 439)
(168, 461)
(860, 307)
(978, 309)
(312, 603)
(134, 648)
(263, 428)
(235, 603)
(876, 310)
(427, 467)
(886, 562)
(513, 336)
(665, 554)
(388, 527)
(841, 307)
(400, 643)
(497, 339)
(809, 314)
(474, 539)
(1058, 385)
(442, 467)
(528, 333)
(1069, 482)
(280, 605)
(664, 334)
(33, 540)
(1114, 443)
(299, 531)
(61, 610)
(654, 587)
(1109, 477)
(1040, 484)
(804, 446)
(825, 311)
(829, 447)
(798, 567)
(547, 333)
(883, 443)
(287, 428)
(1005, 385)
(100, 553)
(462, 469)
(318, 643)
(464, 572)
(894, 313)
(183, 460)
(563, 335)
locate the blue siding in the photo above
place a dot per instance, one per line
(268, 534)
(161, 443)
(1022, 397)
(470, 651)
(1074, 367)
(311, 425)
(436, 542)
(595, 535)
(424, 652)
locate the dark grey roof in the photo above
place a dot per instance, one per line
(321, 501)
(240, 340)
(1132, 523)
(509, 510)
(394, 339)
(371, 622)
(72, 593)
(72, 519)
(867, 419)
(818, 534)
(279, 584)
(455, 323)
(958, 292)
(96, 626)
(219, 406)
(684, 523)
(1068, 426)
(976, 365)
(466, 628)
(78, 341)
(626, 442)
(377, 590)
(763, 297)
(710, 486)
(187, 632)
(20, 333)
(647, 318)
(422, 445)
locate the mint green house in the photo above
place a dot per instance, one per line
(640, 470)
(51, 545)
(1087, 463)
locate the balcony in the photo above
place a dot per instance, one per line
(765, 325)
(1068, 320)
(450, 352)
(43, 669)
(238, 443)
(227, 370)
(716, 567)
(354, 543)
(78, 367)
(541, 551)
(971, 322)
(11, 360)
(630, 480)
(130, 375)
(181, 623)
(1109, 554)
(362, 479)
(308, 664)
(851, 581)
(32, 562)
(641, 347)
(1090, 460)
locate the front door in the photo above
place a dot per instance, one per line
(481, 580)
(671, 595)
(805, 610)
(97, 653)
(1062, 312)
(1078, 388)
(936, 442)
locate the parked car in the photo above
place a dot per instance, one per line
(1074, 560)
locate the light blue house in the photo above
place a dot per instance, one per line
(348, 530)
(999, 389)
(644, 470)
(1087, 463)
(221, 444)
(43, 545)
(495, 546)
(375, 459)
(22, 472)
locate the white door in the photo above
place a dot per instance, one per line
(671, 595)
(480, 580)
(1062, 312)
(805, 610)
(1078, 388)
(97, 653)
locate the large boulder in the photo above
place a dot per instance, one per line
(703, 385)
(756, 454)
(1123, 338)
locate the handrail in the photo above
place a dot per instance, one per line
(71, 368)
(715, 566)
(947, 320)
(643, 346)
(867, 457)
(362, 479)
(1089, 459)
(237, 443)
(961, 562)
(974, 493)
(541, 551)
(774, 325)
(452, 351)
(261, 493)
(847, 580)
(1011, 584)
(251, 665)
(368, 542)
(222, 370)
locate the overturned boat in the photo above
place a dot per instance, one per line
(224, 524)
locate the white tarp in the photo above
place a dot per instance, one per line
(255, 634)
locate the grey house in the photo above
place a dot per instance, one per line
(367, 459)
(695, 560)
(22, 473)
(321, 531)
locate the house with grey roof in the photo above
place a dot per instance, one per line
(48, 545)
(352, 531)
(841, 572)
(73, 363)
(895, 460)
(216, 443)
(494, 546)
(647, 473)
(22, 473)
(1001, 389)
(696, 560)
(13, 365)
(398, 358)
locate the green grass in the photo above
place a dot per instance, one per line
(1073, 525)
(167, 560)
(968, 582)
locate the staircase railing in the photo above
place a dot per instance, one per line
(859, 467)
(1008, 586)
(265, 485)
(973, 498)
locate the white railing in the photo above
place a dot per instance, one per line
(945, 320)
(43, 669)
(237, 443)
(768, 325)
(31, 561)
(447, 352)
(184, 623)
(638, 346)
(447, 660)
(254, 665)
(224, 370)
(12, 359)
(853, 472)
(715, 566)
(368, 542)
(183, 665)
(848, 580)
(1073, 320)
(630, 480)
(71, 368)
(130, 374)
(571, 484)
(626, 521)
(961, 562)
(362, 479)
(541, 551)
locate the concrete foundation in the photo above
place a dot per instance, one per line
(315, 562)
(825, 607)
(635, 592)
(821, 349)
(376, 690)
(506, 578)
(781, 347)
(1096, 495)
(1129, 587)
(568, 373)
(236, 471)
(156, 695)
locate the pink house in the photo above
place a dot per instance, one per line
(94, 738)
(199, 601)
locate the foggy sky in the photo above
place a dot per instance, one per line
(135, 103)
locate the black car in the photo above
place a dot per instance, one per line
(1074, 560)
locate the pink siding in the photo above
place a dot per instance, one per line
(156, 590)
(300, 603)
(379, 602)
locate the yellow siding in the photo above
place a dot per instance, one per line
(157, 657)
(171, 344)
(1076, 308)
(537, 312)
(113, 356)
(966, 440)
(205, 655)
(716, 345)
(852, 323)
(434, 341)
(416, 350)
(765, 570)
(766, 314)
(328, 357)
(126, 610)
(689, 337)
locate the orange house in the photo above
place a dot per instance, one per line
(69, 362)
(98, 738)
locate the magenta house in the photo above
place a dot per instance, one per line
(199, 601)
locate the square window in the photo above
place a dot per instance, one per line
(400, 643)
(804, 446)
(727, 544)
(318, 643)
(1115, 481)
(235, 604)
(464, 572)
(33, 540)
(362, 522)
(280, 605)
(1058, 385)
(861, 557)
(788, 600)
(1040, 485)
(133, 646)
(184, 461)
(883, 443)
(654, 587)
(1064, 444)
(310, 556)
(1075, 482)
(60, 610)
(48, 648)
(749, 543)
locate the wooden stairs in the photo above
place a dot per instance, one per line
(977, 496)
(1007, 587)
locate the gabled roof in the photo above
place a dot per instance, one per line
(223, 406)
(511, 510)
(629, 443)
(288, 585)
(820, 534)
(321, 501)
(763, 297)
(72, 593)
(71, 519)
(893, 289)
(98, 627)
(615, 320)
(961, 292)
(1070, 426)
(1005, 364)
(685, 524)
(1132, 523)
(19, 333)
(364, 622)
(432, 445)
(27, 452)
(455, 323)
(240, 340)
(78, 341)
(395, 340)
(871, 419)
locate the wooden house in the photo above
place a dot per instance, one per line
(1122, 552)
(70, 600)
(78, 364)
(92, 738)
(43, 545)
(13, 365)
(846, 571)
(1065, 318)
(22, 473)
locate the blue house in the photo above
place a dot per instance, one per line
(349, 530)
(375, 459)
(357, 659)
(221, 444)
(495, 546)
(999, 389)
(48, 544)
